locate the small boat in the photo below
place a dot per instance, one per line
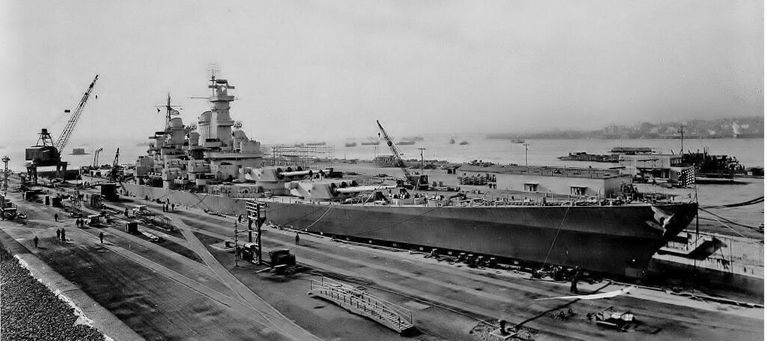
(350, 144)
(405, 143)
(463, 143)
(517, 140)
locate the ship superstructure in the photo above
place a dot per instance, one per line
(215, 150)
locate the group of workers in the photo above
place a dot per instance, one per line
(61, 234)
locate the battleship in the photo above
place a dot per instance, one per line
(214, 165)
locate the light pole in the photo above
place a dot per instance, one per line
(5, 174)
(526, 145)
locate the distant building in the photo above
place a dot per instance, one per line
(555, 180)
(665, 167)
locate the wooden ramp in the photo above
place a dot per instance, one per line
(362, 303)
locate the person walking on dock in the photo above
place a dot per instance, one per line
(63, 235)
(56, 217)
(58, 234)
(172, 207)
(297, 238)
(574, 281)
(101, 237)
(35, 240)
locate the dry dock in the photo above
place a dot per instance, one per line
(182, 288)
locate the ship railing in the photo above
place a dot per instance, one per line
(360, 302)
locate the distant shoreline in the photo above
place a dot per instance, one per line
(570, 137)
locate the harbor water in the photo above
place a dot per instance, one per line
(750, 153)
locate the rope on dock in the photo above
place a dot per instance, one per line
(739, 204)
(716, 217)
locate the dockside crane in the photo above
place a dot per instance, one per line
(113, 173)
(63, 139)
(411, 181)
(47, 152)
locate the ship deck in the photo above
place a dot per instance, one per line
(464, 203)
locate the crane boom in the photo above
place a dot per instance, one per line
(395, 151)
(115, 166)
(63, 139)
(416, 181)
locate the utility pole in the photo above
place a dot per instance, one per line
(526, 145)
(5, 174)
(681, 131)
(422, 149)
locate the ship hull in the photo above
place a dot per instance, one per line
(617, 239)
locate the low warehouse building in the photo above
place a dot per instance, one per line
(577, 182)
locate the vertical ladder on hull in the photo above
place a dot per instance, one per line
(362, 303)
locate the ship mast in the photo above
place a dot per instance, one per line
(170, 111)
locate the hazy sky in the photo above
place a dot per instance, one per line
(308, 70)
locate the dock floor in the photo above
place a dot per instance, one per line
(160, 291)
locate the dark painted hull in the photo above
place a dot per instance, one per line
(609, 239)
